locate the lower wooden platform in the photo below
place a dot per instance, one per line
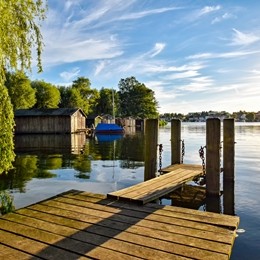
(174, 176)
(80, 225)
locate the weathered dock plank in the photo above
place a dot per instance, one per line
(155, 188)
(79, 225)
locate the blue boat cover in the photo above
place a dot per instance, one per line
(109, 128)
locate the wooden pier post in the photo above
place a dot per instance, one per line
(213, 157)
(229, 149)
(229, 166)
(151, 141)
(175, 141)
(229, 197)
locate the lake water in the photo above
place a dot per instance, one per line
(46, 166)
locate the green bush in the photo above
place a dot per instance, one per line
(6, 203)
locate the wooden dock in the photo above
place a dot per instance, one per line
(174, 177)
(80, 225)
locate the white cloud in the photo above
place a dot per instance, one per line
(223, 17)
(138, 15)
(209, 9)
(69, 75)
(160, 67)
(157, 49)
(200, 56)
(183, 75)
(198, 84)
(240, 38)
(100, 66)
(221, 55)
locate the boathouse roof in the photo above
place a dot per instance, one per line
(47, 112)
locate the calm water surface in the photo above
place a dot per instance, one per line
(46, 167)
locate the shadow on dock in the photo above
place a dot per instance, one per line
(77, 225)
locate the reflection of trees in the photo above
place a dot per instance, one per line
(82, 175)
(25, 168)
(102, 150)
(129, 150)
(132, 151)
(44, 174)
(132, 147)
(82, 164)
(50, 162)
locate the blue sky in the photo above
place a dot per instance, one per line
(195, 55)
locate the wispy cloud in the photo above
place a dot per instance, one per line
(240, 38)
(221, 55)
(157, 49)
(209, 9)
(199, 13)
(223, 17)
(100, 66)
(69, 75)
(138, 15)
(198, 84)
(183, 75)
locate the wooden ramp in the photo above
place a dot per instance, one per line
(174, 177)
(80, 225)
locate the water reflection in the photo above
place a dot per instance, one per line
(49, 156)
(50, 143)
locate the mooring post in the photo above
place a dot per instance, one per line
(213, 156)
(151, 141)
(229, 149)
(229, 166)
(175, 141)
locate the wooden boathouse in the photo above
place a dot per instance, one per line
(124, 224)
(49, 121)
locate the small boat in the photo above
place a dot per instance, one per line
(109, 129)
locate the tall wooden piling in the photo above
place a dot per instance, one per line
(229, 149)
(213, 156)
(175, 141)
(229, 166)
(151, 141)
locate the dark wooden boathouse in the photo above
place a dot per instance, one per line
(49, 121)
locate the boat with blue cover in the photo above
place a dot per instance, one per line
(109, 129)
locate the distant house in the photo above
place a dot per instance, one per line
(49, 121)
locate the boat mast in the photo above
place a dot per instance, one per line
(113, 105)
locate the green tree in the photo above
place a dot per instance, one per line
(19, 33)
(107, 102)
(136, 99)
(83, 96)
(20, 91)
(47, 95)
(250, 116)
(65, 96)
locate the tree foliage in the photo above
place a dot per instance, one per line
(47, 95)
(82, 95)
(136, 99)
(107, 102)
(19, 34)
(20, 91)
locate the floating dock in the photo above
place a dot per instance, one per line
(174, 176)
(81, 225)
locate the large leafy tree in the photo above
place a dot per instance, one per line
(82, 95)
(47, 95)
(65, 96)
(135, 99)
(20, 91)
(107, 102)
(19, 34)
